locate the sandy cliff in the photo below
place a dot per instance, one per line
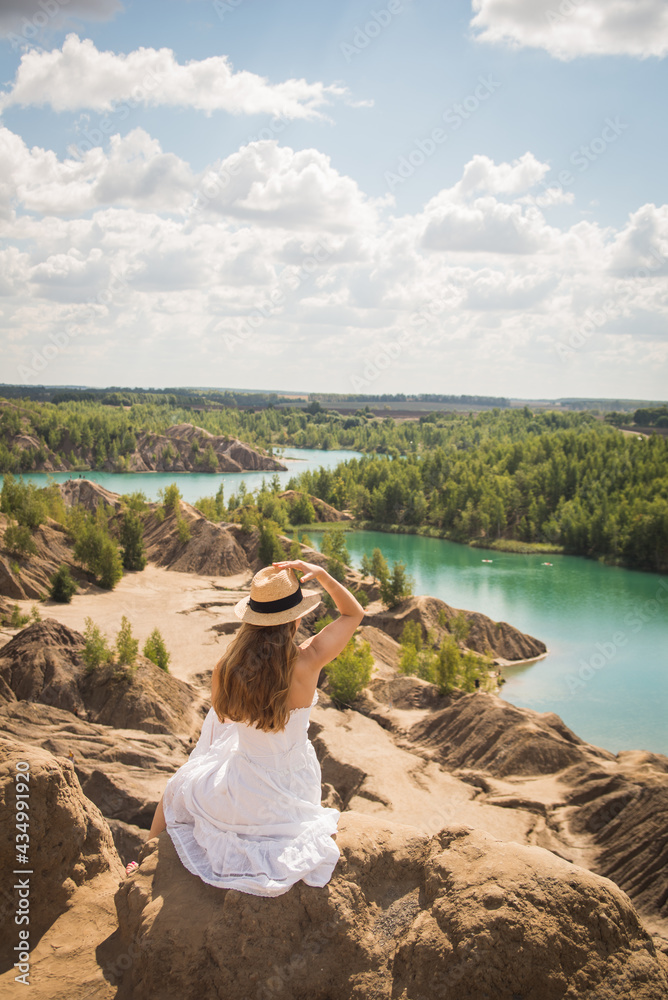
(181, 448)
(487, 851)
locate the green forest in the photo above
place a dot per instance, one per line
(505, 477)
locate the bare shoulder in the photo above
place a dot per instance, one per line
(304, 681)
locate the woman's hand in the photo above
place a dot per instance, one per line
(309, 570)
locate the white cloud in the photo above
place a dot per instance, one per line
(135, 171)
(79, 76)
(482, 174)
(274, 185)
(486, 226)
(570, 28)
(478, 276)
(455, 220)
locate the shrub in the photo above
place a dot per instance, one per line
(295, 548)
(171, 498)
(110, 567)
(270, 549)
(417, 661)
(379, 568)
(126, 645)
(362, 597)
(334, 545)
(446, 667)
(95, 548)
(35, 616)
(16, 619)
(132, 541)
(19, 541)
(302, 510)
(183, 530)
(459, 626)
(156, 651)
(320, 624)
(159, 514)
(135, 501)
(63, 586)
(412, 635)
(337, 570)
(272, 508)
(207, 506)
(397, 586)
(24, 501)
(350, 672)
(96, 649)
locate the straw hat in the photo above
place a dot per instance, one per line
(275, 597)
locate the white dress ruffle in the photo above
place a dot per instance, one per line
(244, 811)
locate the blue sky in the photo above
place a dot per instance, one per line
(406, 196)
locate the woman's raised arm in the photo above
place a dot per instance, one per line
(331, 640)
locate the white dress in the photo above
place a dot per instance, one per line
(244, 811)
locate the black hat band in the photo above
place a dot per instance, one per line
(282, 604)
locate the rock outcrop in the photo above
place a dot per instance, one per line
(180, 448)
(187, 448)
(88, 494)
(123, 771)
(405, 915)
(505, 642)
(32, 581)
(211, 550)
(74, 871)
(480, 731)
(43, 663)
(623, 807)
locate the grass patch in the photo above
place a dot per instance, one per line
(511, 545)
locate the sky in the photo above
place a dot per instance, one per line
(407, 196)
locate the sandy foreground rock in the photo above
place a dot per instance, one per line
(405, 915)
(470, 831)
(75, 871)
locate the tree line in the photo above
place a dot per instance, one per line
(583, 489)
(504, 476)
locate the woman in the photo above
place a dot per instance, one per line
(244, 811)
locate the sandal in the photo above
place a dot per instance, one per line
(131, 867)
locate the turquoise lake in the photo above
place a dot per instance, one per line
(606, 628)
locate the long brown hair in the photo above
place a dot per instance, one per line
(254, 675)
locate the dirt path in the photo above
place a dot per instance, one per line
(184, 606)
